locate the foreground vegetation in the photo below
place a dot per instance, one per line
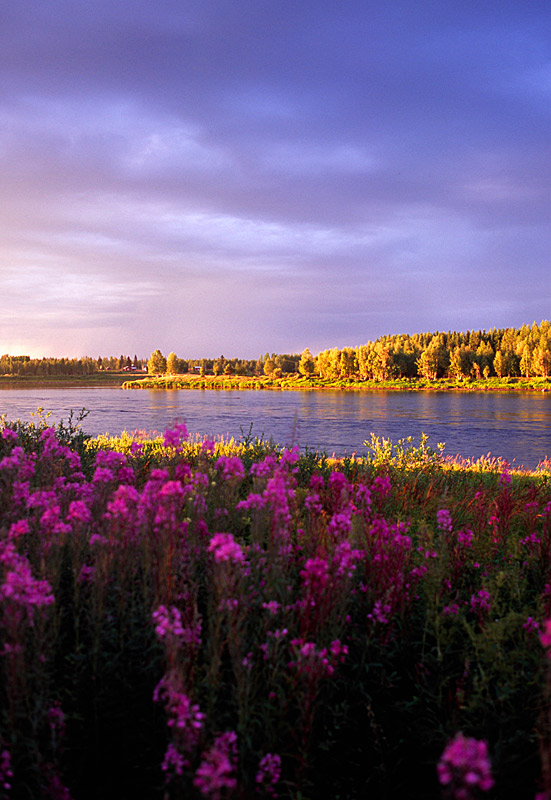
(233, 620)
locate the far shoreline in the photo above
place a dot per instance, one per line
(295, 383)
(196, 382)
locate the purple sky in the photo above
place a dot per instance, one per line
(237, 176)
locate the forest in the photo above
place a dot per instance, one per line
(500, 352)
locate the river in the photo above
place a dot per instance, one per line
(513, 426)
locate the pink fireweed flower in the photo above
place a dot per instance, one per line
(290, 457)
(41, 499)
(312, 503)
(340, 526)
(481, 601)
(278, 494)
(264, 468)
(51, 522)
(316, 663)
(110, 459)
(338, 651)
(382, 485)
(173, 762)
(175, 436)
(314, 576)
(230, 467)
(122, 503)
(9, 435)
(444, 520)
(172, 489)
(185, 717)
(224, 548)
(344, 558)
(19, 528)
(545, 637)
(56, 721)
(465, 538)
(531, 624)
(269, 771)
(97, 538)
(252, 501)
(20, 461)
(103, 475)
(55, 789)
(216, 771)
(78, 512)
(86, 574)
(20, 495)
(168, 622)
(6, 773)
(381, 612)
(19, 586)
(465, 767)
(363, 498)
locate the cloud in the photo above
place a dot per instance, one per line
(287, 175)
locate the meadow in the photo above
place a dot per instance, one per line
(214, 619)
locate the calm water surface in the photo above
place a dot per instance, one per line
(512, 426)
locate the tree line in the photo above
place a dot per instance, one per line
(45, 367)
(269, 364)
(500, 352)
(505, 352)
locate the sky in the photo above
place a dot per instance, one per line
(240, 176)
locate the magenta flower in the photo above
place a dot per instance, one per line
(20, 528)
(175, 436)
(545, 637)
(185, 717)
(78, 512)
(103, 475)
(382, 485)
(230, 467)
(173, 762)
(19, 586)
(269, 771)
(465, 767)
(224, 548)
(168, 622)
(216, 771)
(481, 603)
(6, 773)
(444, 520)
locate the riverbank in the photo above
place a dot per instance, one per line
(314, 383)
(99, 379)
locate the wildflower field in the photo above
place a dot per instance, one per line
(238, 620)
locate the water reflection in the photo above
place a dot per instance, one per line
(512, 426)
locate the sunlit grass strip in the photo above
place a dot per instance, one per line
(295, 381)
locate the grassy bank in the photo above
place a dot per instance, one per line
(303, 383)
(233, 620)
(100, 378)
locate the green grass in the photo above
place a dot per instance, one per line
(191, 381)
